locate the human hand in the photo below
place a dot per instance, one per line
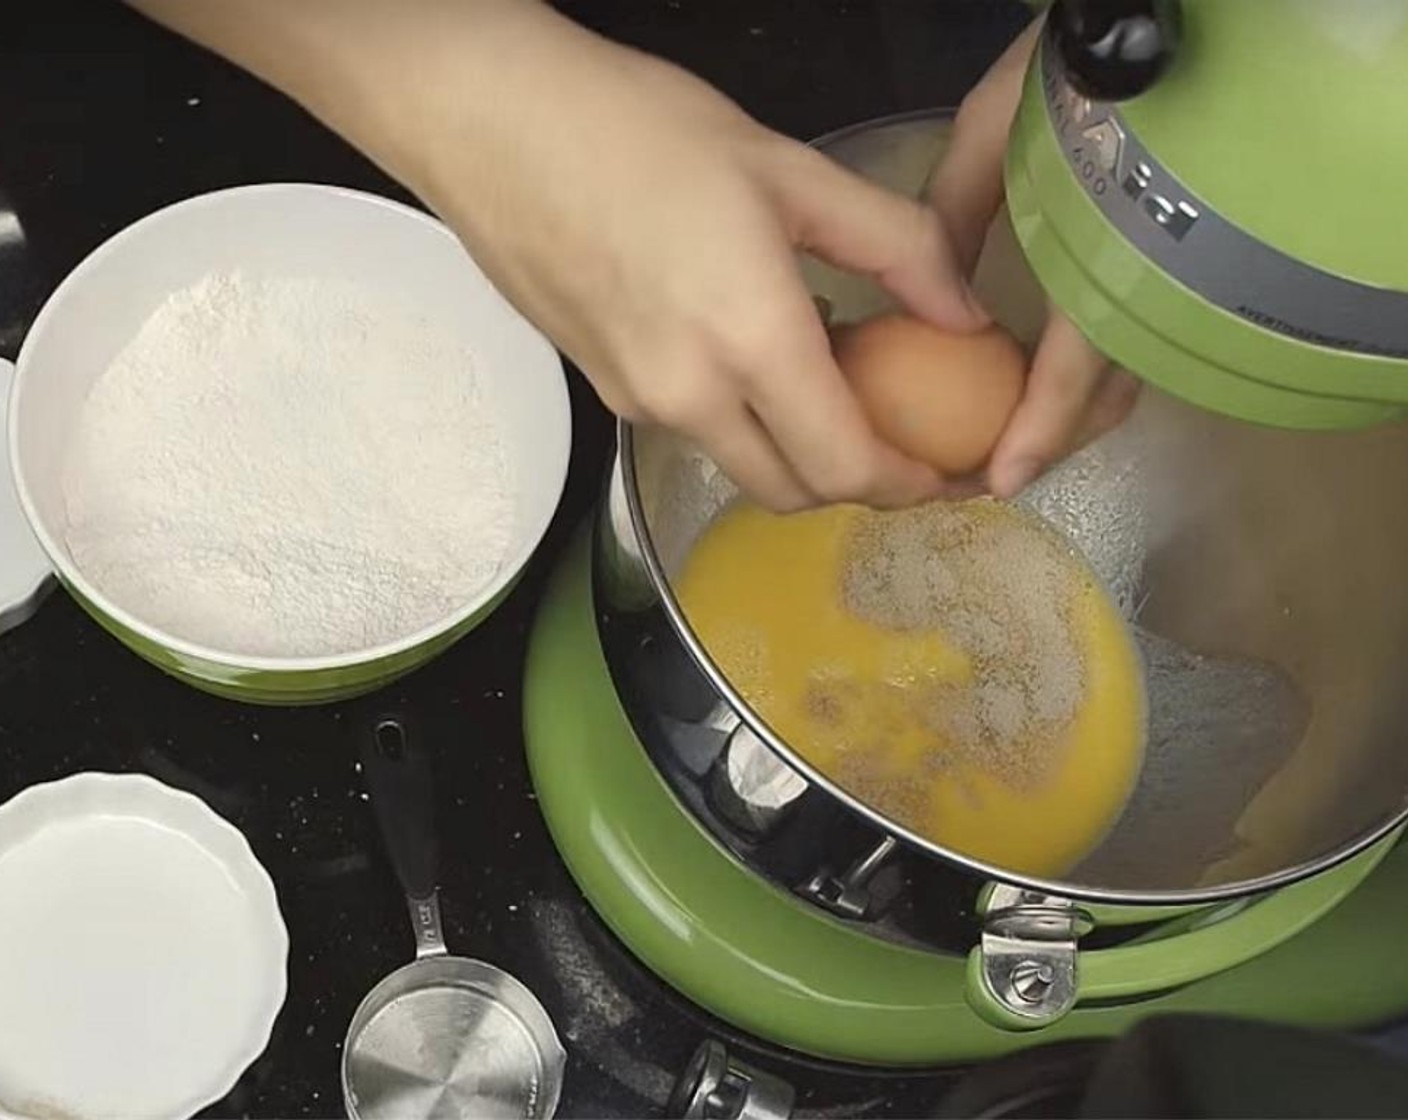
(651, 228)
(1073, 394)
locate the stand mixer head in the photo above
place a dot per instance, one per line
(1211, 191)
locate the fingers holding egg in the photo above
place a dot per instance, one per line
(1066, 378)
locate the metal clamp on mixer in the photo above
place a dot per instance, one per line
(1027, 958)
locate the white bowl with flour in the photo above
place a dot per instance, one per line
(287, 441)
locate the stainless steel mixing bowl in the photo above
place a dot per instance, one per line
(1260, 570)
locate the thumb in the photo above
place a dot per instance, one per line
(966, 188)
(861, 227)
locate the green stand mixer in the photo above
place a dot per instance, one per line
(1254, 870)
(1211, 189)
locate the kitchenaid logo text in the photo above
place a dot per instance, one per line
(1095, 144)
(1204, 252)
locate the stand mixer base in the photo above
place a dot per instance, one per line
(778, 970)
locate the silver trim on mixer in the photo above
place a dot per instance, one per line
(1196, 246)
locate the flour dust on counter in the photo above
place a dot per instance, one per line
(289, 466)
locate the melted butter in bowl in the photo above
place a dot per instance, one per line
(956, 667)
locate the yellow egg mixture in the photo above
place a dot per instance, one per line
(955, 667)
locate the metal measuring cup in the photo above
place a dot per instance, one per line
(443, 1037)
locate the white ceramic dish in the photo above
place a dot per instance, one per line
(25, 575)
(308, 231)
(142, 954)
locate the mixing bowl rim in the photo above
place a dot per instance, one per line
(71, 574)
(1239, 888)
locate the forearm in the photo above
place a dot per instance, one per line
(383, 73)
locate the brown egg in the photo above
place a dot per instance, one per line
(940, 397)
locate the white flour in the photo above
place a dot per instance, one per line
(289, 467)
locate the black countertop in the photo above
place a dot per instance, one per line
(104, 118)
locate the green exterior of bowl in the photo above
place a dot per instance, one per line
(289, 687)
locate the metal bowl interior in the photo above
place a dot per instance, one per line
(1260, 573)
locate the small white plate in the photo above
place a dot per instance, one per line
(25, 576)
(142, 953)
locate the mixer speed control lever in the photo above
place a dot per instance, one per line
(849, 895)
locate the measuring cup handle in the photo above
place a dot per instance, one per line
(399, 778)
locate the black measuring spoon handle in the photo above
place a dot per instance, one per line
(401, 783)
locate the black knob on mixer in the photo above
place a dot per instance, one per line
(1114, 49)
